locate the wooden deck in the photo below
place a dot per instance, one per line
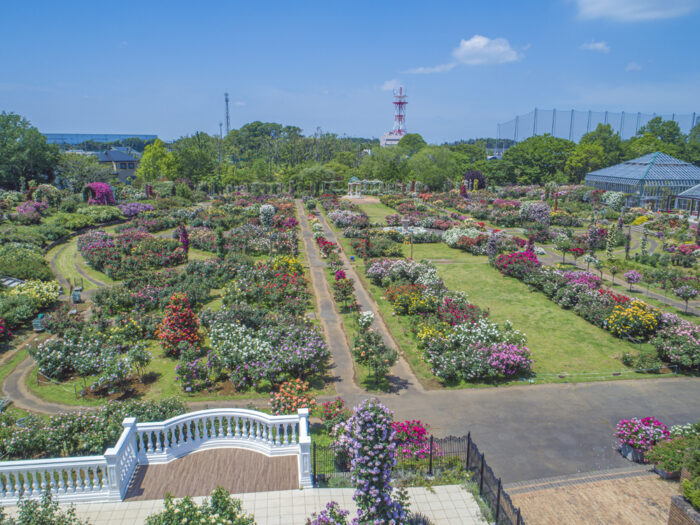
(199, 473)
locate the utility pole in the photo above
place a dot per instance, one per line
(228, 118)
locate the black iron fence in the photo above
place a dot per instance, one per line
(438, 457)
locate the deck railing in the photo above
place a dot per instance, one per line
(107, 477)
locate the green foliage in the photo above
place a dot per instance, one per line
(23, 263)
(537, 160)
(46, 512)
(76, 170)
(156, 162)
(219, 508)
(412, 143)
(584, 159)
(24, 153)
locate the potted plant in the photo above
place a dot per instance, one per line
(638, 436)
(667, 456)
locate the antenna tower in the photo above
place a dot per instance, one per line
(228, 119)
(400, 111)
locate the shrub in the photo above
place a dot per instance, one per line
(179, 324)
(333, 413)
(291, 396)
(641, 434)
(517, 264)
(634, 320)
(670, 454)
(23, 263)
(219, 508)
(331, 515)
(679, 344)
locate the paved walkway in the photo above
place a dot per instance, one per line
(401, 377)
(331, 322)
(444, 505)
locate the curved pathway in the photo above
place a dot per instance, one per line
(401, 376)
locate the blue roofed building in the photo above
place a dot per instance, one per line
(653, 180)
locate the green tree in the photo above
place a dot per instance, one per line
(24, 152)
(157, 162)
(667, 131)
(195, 157)
(537, 159)
(584, 159)
(76, 170)
(386, 164)
(648, 143)
(604, 136)
(412, 143)
(692, 149)
(432, 165)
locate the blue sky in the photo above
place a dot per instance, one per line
(157, 67)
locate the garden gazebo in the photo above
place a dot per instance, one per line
(652, 179)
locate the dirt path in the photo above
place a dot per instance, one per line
(331, 322)
(401, 376)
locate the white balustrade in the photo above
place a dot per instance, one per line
(107, 477)
(69, 479)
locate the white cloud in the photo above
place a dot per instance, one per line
(390, 85)
(480, 50)
(633, 66)
(601, 47)
(440, 68)
(476, 51)
(635, 10)
(239, 103)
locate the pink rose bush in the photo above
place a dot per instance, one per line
(641, 434)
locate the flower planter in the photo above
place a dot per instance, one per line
(632, 453)
(665, 474)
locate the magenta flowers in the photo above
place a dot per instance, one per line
(641, 434)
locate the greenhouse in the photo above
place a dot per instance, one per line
(690, 200)
(653, 180)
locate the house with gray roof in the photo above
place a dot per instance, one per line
(653, 180)
(123, 164)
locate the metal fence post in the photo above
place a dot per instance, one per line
(498, 500)
(469, 447)
(430, 461)
(520, 520)
(314, 463)
(481, 480)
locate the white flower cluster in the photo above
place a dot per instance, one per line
(451, 237)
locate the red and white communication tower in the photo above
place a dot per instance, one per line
(393, 137)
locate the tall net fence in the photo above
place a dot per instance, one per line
(572, 125)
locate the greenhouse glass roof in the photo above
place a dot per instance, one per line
(692, 193)
(652, 167)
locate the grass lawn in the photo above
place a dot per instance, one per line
(377, 212)
(579, 350)
(68, 258)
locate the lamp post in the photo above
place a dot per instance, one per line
(405, 223)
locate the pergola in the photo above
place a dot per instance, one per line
(649, 179)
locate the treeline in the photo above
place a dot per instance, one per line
(272, 152)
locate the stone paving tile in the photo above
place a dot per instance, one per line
(446, 505)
